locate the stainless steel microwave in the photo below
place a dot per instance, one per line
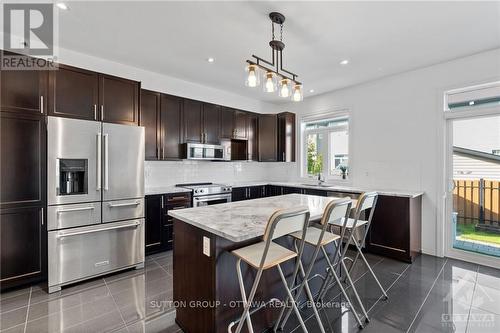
(201, 151)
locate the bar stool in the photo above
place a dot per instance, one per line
(319, 238)
(267, 254)
(366, 201)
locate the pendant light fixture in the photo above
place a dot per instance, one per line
(273, 71)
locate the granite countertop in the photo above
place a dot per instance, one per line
(244, 220)
(165, 190)
(340, 188)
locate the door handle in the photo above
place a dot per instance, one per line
(41, 104)
(95, 111)
(99, 162)
(61, 235)
(102, 111)
(137, 203)
(73, 210)
(106, 162)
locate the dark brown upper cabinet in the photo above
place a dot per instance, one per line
(201, 122)
(227, 123)
(267, 134)
(211, 123)
(233, 124)
(23, 162)
(74, 93)
(119, 100)
(83, 94)
(24, 91)
(193, 121)
(240, 125)
(286, 137)
(150, 118)
(170, 127)
(252, 144)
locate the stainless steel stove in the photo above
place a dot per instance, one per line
(205, 194)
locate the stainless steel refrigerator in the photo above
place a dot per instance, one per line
(95, 185)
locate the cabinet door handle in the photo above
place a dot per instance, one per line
(41, 104)
(102, 111)
(284, 159)
(42, 216)
(95, 111)
(162, 204)
(158, 153)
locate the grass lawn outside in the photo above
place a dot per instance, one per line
(467, 231)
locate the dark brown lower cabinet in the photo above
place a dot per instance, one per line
(159, 229)
(396, 229)
(23, 238)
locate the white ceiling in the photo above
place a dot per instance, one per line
(379, 38)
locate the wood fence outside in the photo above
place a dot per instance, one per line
(477, 201)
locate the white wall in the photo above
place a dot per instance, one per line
(397, 129)
(162, 83)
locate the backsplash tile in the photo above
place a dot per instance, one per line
(167, 173)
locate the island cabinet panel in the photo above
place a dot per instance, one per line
(150, 119)
(248, 192)
(211, 278)
(24, 91)
(193, 120)
(119, 100)
(267, 138)
(170, 127)
(396, 228)
(74, 93)
(211, 123)
(286, 137)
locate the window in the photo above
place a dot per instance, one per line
(326, 147)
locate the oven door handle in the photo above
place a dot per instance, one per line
(210, 198)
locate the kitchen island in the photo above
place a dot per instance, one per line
(206, 291)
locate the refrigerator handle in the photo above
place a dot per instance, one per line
(106, 162)
(58, 190)
(99, 162)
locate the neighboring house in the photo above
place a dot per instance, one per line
(474, 164)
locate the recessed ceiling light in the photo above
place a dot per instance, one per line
(311, 90)
(344, 62)
(211, 59)
(62, 5)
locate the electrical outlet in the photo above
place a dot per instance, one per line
(206, 246)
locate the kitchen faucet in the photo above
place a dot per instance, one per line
(320, 179)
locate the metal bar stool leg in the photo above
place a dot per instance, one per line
(244, 298)
(343, 291)
(365, 314)
(290, 296)
(303, 285)
(369, 267)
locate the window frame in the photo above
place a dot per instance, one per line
(332, 115)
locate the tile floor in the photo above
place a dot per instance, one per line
(132, 301)
(431, 295)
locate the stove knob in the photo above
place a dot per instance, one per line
(201, 191)
(195, 191)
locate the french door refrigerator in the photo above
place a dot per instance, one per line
(95, 185)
